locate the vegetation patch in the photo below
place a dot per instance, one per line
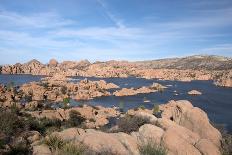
(43, 124)
(9, 122)
(61, 147)
(75, 119)
(151, 148)
(129, 123)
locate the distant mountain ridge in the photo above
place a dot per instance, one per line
(209, 62)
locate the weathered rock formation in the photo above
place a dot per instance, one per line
(183, 129)
(194, 92)
(54, 89)
(95, 116)
(53, 63)
(142, 90)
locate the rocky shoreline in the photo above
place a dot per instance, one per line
(221, 76)
(29, 124)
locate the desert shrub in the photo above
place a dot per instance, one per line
(72, 149)
(63, 89)
(129, 123)
(226, 144)
(27, 98)
(141, 107)
(54, 142)
(43, 124)
(14, 109)
(9, 122)
(75, 119)
(156, 109)
(18, 150)
(151, 148)
(45, 85)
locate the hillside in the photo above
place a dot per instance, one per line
(209, 62)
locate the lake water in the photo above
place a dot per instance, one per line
(215, 101)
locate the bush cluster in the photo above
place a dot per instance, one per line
(129, 123)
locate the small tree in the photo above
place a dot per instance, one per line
(156, 109)
(66, 101)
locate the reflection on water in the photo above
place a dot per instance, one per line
(216, 101)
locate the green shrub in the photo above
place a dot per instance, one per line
(75, 118)
(54, 142)
(141, 107)
(45, 85)
(156, 109)
(63, 89)
(43, 124)
(226, 144)
(9, 122)
(71, 149)
(66, 101)
(151, 148)
(129, 123)
(14, 109)
(18, 150)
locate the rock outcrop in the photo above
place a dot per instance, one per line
(183, 113)
(224, 79)
(98, 115)
(53, 62)
(194, 92)
(182, 129)
(142, 90)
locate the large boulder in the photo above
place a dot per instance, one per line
(206, 147)
(177, 145)
(183, 113)
(53, 63)
(116, 143)
(41, 150)
(149, 132)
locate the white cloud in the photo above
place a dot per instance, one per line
(36, 20)
(118, 22)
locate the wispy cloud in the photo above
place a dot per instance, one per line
(36, 20)
(118, 22)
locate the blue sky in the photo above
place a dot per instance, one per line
(113, 29)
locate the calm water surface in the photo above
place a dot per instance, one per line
(216, 101)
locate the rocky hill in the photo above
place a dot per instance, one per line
(209, 62)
